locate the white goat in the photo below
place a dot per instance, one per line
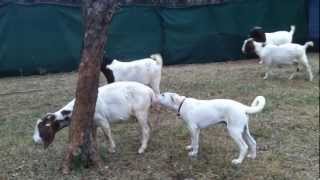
(286, 54)
(146, 71)
(116, 102)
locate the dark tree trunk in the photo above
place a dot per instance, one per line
(82, 133)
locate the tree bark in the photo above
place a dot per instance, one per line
(82, 132)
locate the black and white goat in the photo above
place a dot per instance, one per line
(275, 38)
(146, 71)
(286, 54)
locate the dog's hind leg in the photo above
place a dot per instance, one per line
(251, 143)
(236, 134)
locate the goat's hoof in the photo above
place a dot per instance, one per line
(236, 161)
(188, 147)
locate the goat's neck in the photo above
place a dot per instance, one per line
(258, 48)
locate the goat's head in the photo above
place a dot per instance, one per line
(49, 125)
(248, 47)
(258, 34)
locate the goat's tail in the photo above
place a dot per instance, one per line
(256, 106)
(292, 29)
(157, 58)
(307, 44)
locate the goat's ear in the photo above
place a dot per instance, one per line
(50, 116)
(65, 112)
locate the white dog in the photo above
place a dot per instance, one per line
(116, 102)
(146, 71)
(199, 114)
(286, 54)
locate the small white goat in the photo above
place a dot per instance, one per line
(146, 71)
(286, 54)
(275, 38)
(116, 102)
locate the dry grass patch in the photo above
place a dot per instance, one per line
(287, 131)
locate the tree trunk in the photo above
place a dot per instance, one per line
(82, 132)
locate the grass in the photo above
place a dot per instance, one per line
(287, 131)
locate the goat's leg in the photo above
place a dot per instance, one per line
(309, 72)
(268, 71)
(308, 67)
(142, 118)
(296, 65)
(155, 85)
(107, 132)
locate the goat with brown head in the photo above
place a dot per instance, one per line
(49, 125)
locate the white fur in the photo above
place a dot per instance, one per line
(280, 37)
(117, 102)
(198, 114)
(286, 54)
(146, 71)
(277, 38)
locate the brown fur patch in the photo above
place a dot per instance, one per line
(49, 126)
(249, 47)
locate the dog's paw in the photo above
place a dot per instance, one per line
(141, 151)
(252, 155)
(236, 161)
(188, 147)
(192, 153)
(112, 150)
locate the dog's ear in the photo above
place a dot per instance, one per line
(172, 99)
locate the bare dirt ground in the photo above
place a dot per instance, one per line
(286, 131)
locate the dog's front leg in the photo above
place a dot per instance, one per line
(194, 132)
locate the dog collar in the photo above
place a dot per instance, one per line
(181, 106)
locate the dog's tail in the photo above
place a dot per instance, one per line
(307, 44)
(292, 29)
(257, 105)
(157, 58)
